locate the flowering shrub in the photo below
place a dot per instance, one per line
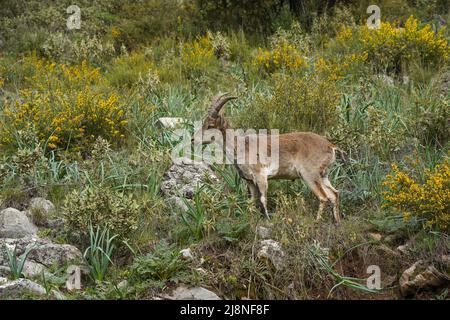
(282, 56)
(198, 56)
(389, 45)
(61, 104)
(337, 70)
(429, 200)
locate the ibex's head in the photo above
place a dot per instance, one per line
(214, 119)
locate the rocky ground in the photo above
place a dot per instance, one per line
(20, 237)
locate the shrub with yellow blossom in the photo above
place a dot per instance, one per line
(428, 200)
(337, 69)
(64, 105)
(283, 56)
(198, 56)
(389, 46)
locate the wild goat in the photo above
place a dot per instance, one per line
(300, 154)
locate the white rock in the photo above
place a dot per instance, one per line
(43, 204)
(271, 250)
(197, 293)
(403, 248)
(20, 287)
(3, 280)
(186, 254)
(15, 224)
(169, 122)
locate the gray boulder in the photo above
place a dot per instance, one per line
(182, 180)
(55, 254)
(15, 224)
(43, 251)
(20, 287)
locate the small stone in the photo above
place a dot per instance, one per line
(3, 280)
(403, 248)
(271, 250)
(197, 293)
(42, 204)
(405, 80)
(375, 236)
(186, 254)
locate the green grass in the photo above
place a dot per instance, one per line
(376, 123)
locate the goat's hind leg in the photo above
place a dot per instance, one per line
(262, 186)
(314, 182)
(333, 196)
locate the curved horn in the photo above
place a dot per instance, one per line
(218, 102)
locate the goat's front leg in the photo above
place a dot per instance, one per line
(262, 186)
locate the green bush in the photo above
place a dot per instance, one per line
(297, 104)
(101, 207)
(163, 264)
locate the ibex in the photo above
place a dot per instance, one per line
(303, 155)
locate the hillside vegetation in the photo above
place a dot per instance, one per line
(78, 114)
